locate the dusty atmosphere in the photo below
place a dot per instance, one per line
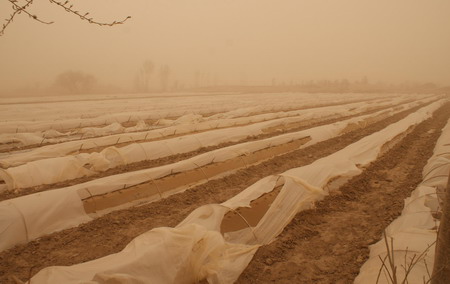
(201, 43)
(211, 141)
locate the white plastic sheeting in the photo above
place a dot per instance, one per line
(63, 116)
(25, 139)
(15, 159)
(39, 204)
(53, 136)
(80, 135)
(415, 231)
(213, 122)
(165, 255)
(86, 109)
(300, 188)
(25, 217)
(436, 171)
(311, 178)
(49, 171)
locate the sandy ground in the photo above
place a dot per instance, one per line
(287, 260)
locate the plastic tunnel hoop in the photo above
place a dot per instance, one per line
(201, 169)
(243, 218)
(435, 168)
(27, 235)
(433, 177)
(93, 199)
(198, 140)
(143, 150)
(445, 153)
(241, 155)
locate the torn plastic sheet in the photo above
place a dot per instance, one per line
(364, 151)
(299, 191)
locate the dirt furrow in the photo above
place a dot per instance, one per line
(179, 157)
(276, 131)
(330, 243)
(112, 232)
(5, 149)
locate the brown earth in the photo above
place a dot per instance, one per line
(110, 233)
(295, 127)
(329, 244)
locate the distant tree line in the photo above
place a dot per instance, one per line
(328, 86)
(151, 78)
(144, 76)
(75, 82)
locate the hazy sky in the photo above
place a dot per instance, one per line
(233, 39)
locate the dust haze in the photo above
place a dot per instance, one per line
(191, 44)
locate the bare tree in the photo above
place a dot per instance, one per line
(197, 79)
(75, 82)
(147, 70)
(143, 76)
(164, 74)
(22, 7)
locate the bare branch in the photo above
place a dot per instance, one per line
(66, 5)
(84, 16)
(23, 9)
(17, 10)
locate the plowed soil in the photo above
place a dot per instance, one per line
(178, 157)
(330, 243)
(340, 227)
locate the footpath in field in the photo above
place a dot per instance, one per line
(76, 245)
(329, 244)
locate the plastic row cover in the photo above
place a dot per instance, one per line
(280, 118)
(37, 204)
(53, 136)
(415, 231)
(76, 123)
(221, 120)
(195, 250)
(50, 171)
(23, 211)
(85, 109)
(436, 171)
(157, 108)
(187, 127)
(94, 106)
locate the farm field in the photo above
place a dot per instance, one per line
(223, 188)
